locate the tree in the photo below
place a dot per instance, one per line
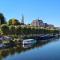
(10, 22)
(18, 30)
(25, 30)
(5, 29)
(13, 22)
(12, 29)
(2, 19)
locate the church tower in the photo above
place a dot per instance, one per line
(22, 20)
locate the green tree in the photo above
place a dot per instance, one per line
(2, 19)
(25, 30)
(13, 22)
(10, 22)
(18, 30)
(12, 29)
(5, 29)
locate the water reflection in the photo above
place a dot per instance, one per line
(27, 46)
(22, 48)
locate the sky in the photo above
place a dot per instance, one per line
(46, 10)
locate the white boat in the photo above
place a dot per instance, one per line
(1, 38)
(7, 38)
(29, 41)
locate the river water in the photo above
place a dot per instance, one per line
(45, 50)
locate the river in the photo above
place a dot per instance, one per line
(45, 50)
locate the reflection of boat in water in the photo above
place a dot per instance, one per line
(29, 41)
(27, 46)
(23, 48)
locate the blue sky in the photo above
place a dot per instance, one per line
(47, 10)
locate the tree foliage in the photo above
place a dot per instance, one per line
(13, 22)
(12, 29)
(2, 19)
(5, 29)
(18, 30)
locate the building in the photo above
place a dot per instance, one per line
(41, 24)
(45, 25)
(38, 23)
(51, 26)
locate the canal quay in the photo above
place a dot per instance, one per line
(44, 50)
(6, 41)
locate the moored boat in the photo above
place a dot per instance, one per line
(29, 41)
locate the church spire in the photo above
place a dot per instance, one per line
(22, 20)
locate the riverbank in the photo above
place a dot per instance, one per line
(41, 36)
(19, 49)
(12, 42)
